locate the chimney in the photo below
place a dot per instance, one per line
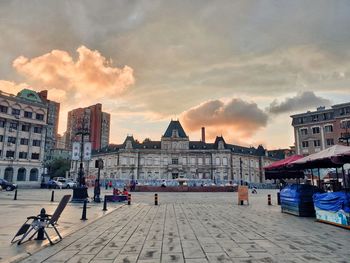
(203, 134)
(43, 94)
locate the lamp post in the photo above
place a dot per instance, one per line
(97, 189)
(80, 193)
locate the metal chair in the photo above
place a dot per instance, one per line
(40, 222)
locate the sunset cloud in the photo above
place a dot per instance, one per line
(91, 74)
(235, 119)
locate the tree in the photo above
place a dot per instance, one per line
(58, 167)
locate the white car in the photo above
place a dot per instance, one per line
(66, 183)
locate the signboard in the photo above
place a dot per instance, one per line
(76, 151)
(242, 194)
(340, 217)
(87, 151)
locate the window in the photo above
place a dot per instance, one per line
(2, 123)
(315, 130)
(36, 143)
(165, 160)
(10, 154)
(301, 120)
(174, 161)
(200, 161)
(193, 160)
(207, 161)
(16, 112)
(39, 116)
(28, 114)
(35, 156)
(330, 142)
(217, 161)
(13, 126)
(3, 109)
(224, 161)
(328, 128)
(37, 129)
(24, 141)
(11, 140)
(303, 131)
(22, 155)
(1, 138)
(314, 117)
(317, 143)
(305, 144)
(25, 127)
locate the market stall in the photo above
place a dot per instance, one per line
(332, 207)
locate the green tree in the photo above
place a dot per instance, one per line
(58, 167)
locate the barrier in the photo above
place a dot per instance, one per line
(129, 199)
(52, 196)
(269, 199)
(83, 216)
(155, 199)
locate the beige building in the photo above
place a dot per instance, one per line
(22, 137)
(175, 156)
(317, 130)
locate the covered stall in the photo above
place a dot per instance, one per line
(333, 207)
(295, 199)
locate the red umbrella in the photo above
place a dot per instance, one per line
(281, 164)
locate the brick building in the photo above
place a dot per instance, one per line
(95, 121)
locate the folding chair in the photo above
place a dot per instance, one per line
(41, 222)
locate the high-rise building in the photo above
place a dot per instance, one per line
(317, 130)
(23, 129)
(91, 118)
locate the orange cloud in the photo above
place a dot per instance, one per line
(236, 120)
(11, 87)
(91, 74)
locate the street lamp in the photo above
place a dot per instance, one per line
(80, 193)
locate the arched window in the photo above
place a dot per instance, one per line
(21, 174)
(33, 174)
(8, 176)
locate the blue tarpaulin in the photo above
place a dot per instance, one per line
(298, 192)
(332, 201)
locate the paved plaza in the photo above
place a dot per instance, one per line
(199, 227)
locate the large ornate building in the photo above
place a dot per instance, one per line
(175, 156)
(23, 129)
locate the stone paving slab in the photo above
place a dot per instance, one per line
(195, 231)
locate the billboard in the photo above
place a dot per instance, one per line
(87, 151)
(76, 151)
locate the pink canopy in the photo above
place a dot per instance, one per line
(281, 164)
(334, 156)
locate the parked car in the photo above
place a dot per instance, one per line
(53, 184)
(8, 186)
(66, 183)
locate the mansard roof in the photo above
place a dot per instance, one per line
(30, 95)
(175, 125)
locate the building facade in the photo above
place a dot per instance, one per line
(23, 124)
(321, 129)
(175, 156)
(94, 120)
(53, 112)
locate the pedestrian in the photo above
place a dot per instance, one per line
(106, 185)
(110, 184)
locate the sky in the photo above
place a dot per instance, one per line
(239, 68)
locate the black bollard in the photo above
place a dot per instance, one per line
(155, 199)
(269, 199)
(15, 197)
(129, 199)
(105, 204)
(279, 198)
(52, 196)
(83, 216)
(42, 217)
